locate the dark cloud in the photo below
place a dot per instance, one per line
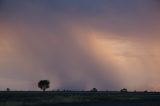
(1, 4)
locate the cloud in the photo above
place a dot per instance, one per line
(79, 44)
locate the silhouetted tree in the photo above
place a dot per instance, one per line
(94, 90)
(8, 89)
(124, 90)
(43, 84)
(145, 91)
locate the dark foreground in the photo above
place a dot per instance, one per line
(79, 99)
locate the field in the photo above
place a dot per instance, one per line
(77, 98)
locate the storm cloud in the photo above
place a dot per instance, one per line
(79, 44)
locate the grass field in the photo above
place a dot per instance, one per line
(76, 98)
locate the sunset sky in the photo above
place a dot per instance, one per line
(80, 44)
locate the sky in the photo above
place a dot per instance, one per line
(80, 44)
